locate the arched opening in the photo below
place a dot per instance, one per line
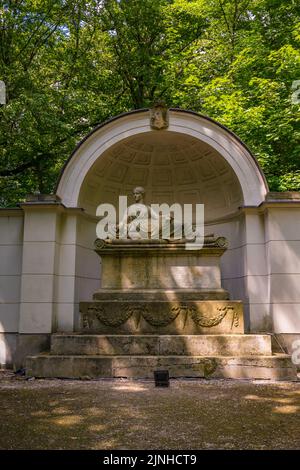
(172, 167)
(124, 150)
(194, 160)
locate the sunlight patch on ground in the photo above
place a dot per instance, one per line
(97, 427)
(288, 409)
(69, 420)
(93, 411)
(61, 411)
(130, 387)
(271, 399)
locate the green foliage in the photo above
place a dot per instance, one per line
(69, 65)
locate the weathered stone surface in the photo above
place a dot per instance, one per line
(167, 295)
(105, 345)
(68, 366)
(203, 317)
(163, 345)
(160, 266)
(215, 345)
(30, 344)
(268, 367)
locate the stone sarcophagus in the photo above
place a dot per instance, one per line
(161, 287)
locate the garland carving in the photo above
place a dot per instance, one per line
(155, 317)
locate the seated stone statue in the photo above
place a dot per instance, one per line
(141, 222)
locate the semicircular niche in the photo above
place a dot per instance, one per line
(171, 167)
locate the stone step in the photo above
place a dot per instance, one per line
(161, 345)
(277, 367)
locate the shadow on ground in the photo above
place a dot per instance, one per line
(122, 414)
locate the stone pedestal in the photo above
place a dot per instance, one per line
(161, 306)
(161, 266)
(161, 288)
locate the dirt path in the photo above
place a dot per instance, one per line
(121, 414)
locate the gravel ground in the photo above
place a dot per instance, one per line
(123, 414)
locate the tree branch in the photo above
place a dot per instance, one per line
(17, 170)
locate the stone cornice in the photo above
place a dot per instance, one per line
(284, 195)
(11, 212)
(212, 247)
(287, 199)
(279, 204)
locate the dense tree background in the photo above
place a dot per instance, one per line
(70, 64)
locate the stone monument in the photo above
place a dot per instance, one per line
(158, 304)
(155, 285)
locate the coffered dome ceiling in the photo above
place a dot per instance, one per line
(171, 167)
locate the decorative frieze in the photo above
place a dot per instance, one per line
(172, 318)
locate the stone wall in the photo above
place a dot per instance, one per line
(11, 246)
(88, 264)
(283, 255)
(233, 260)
